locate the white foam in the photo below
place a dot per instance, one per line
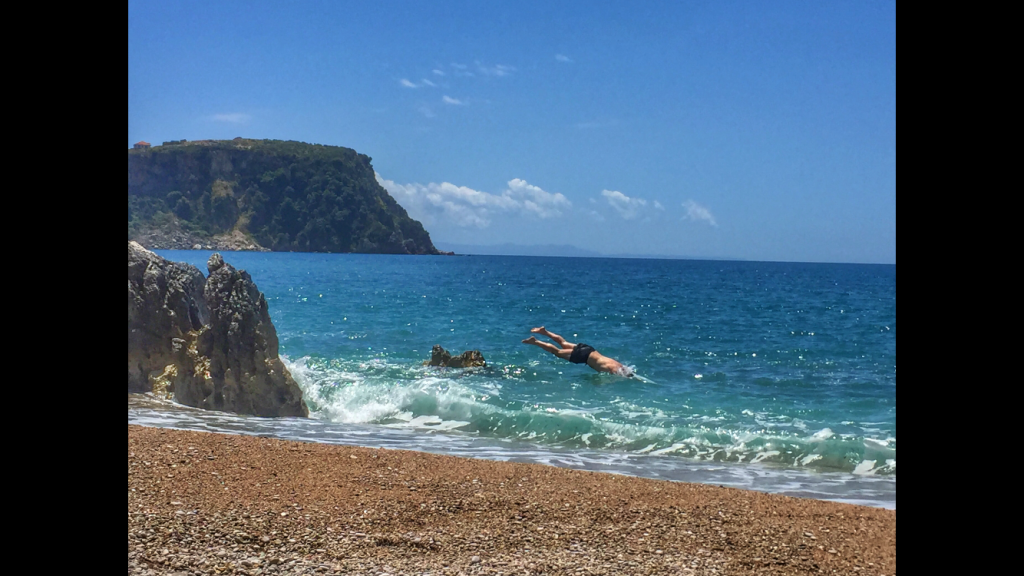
(671, 448)
(762, 455)
(810, 458)
(343, 396)
(627, 372)
(821, 435)
(434, 423)
(420, 421)
(865, 467)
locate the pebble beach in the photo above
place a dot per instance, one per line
(208, 503)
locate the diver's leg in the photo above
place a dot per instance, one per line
(561, 341)
(560, 352)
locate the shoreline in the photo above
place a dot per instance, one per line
(825, 485)
(204, 502)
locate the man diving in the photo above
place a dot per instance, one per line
(578, 353)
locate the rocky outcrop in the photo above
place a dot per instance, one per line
(165, 308)
(206, 342)
(441, 357)
(172, 236)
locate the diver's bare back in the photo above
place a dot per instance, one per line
(602, 363)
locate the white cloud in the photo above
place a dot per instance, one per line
(450, 100)
(461, 69)
(234, 118)
(535, 200)
(427, 111)
(496, 70)
(628, 208)
(696, 212)
(438, 72)
(405, 82)
(466, 207)
(659, 206)
(563, 58)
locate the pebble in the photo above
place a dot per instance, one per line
(450, 517)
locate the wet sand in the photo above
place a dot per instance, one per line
(205, 503)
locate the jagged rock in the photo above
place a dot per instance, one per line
(165, 305)
(208, 342)
(440, 357)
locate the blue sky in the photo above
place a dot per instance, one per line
(755, 130)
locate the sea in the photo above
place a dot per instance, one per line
(770, 376)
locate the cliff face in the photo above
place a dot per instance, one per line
(207, 342)
(283, 196)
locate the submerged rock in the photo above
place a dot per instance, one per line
(206, 342)
(440, 357)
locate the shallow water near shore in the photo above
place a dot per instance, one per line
(767, 376)
(873, 491)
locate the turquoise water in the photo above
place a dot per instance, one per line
(760, 370)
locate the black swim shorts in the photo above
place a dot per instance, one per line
(580, 353)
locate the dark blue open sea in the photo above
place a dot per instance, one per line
(769, 376)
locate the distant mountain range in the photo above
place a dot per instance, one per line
(519, 250)
(564, 250)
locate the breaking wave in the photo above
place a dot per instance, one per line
(508, 403)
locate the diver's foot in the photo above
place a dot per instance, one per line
(530, 340)
(540, 330)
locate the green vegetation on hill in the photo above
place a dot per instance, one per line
(284, 195)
